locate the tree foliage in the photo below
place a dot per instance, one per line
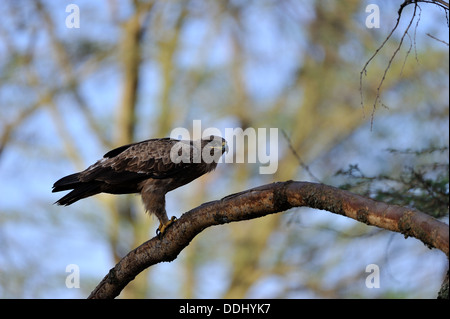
(423, 186)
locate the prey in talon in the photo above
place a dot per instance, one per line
(151, 168)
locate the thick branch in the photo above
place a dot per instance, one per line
(264, 200)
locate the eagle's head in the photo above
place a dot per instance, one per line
(213, 147)
(207, 150)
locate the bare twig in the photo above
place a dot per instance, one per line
(299, 159)
(441, 3)
(433, 37)
(364, 69)
(262, 201)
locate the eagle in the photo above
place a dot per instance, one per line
(152, 168)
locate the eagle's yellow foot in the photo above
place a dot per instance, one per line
(162, 228)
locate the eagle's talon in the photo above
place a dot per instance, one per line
(162, 228)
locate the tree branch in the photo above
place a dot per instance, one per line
(264, 200)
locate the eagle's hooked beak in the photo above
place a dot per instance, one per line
(224, 147)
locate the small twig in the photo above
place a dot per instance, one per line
(300, 161)
(415, 33)
(441, 3)
(433, 37)
(377, 97)
(364, 69)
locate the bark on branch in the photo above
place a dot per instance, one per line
(264, 200)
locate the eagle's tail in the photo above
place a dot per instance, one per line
(67, 182)
(79, 191)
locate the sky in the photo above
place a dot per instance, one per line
(43, 239)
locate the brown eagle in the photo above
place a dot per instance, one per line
(151, 167)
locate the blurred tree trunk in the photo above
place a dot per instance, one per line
(129, 212)
(124, 211)
(166, 59)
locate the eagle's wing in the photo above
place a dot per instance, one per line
(136, 162)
